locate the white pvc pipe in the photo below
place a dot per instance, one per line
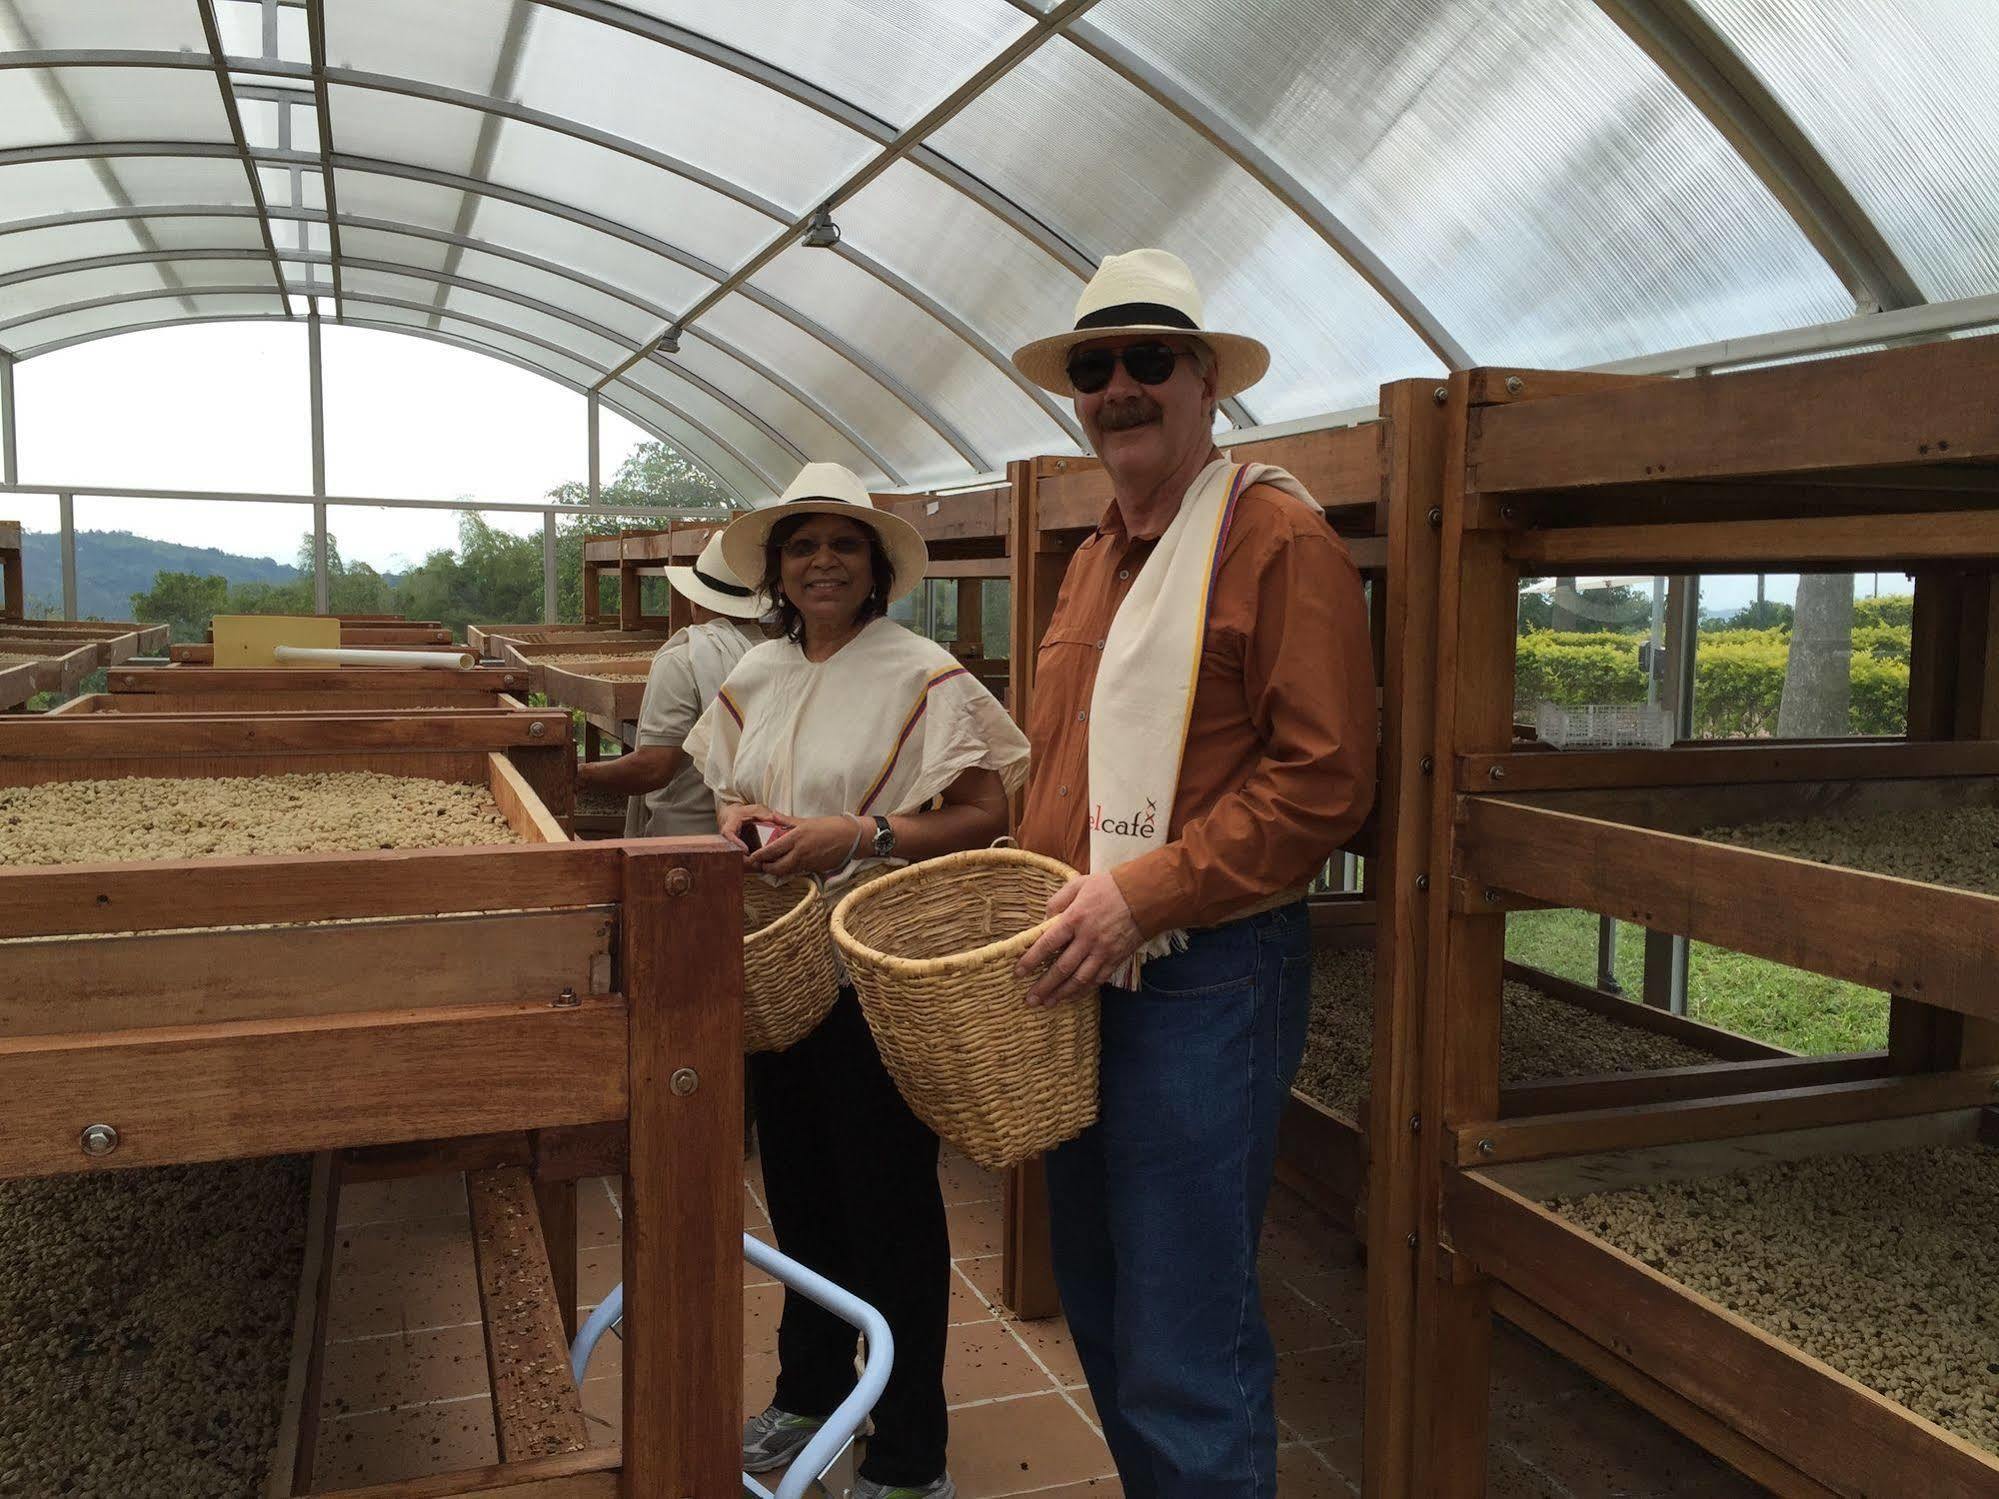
(357, 656)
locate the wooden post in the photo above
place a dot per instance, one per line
(1405, 604)
(1466, 957)
(683, 1351)
(631, 606)
(971, 616)
(555, 1201)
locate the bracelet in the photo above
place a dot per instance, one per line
(854, 847)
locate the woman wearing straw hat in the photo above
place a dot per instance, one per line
(847, 744)
(668, 797)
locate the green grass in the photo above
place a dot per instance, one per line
(1783, 1006)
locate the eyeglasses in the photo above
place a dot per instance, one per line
(1147, 363)
(805, 548)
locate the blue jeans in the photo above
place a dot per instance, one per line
(1158, 1208)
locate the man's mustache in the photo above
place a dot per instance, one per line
(1131, 411)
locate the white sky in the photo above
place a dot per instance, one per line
(225, 407)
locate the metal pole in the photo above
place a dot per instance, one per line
(10, 453)
(1606, 955)
(322, 585)
(67, 504)
(590, 405)
(548, 579)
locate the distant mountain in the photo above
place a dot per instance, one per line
(111, 566)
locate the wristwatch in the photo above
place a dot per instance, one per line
(884, 838)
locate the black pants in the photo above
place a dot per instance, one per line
(851, 1177)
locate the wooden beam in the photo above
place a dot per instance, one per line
(1620, 1090)
(537, 1409)
(1684, 1121)
(1412, 461)
(111, 736)
(969, 567)
(1924, 941)
(1718, 764)
(191, 679)
(1845, 543)
(221, 1092)
(683, 1350)
(577, 1475)
(1827, 1425)
(518, 803)
(206, 893)
(298, 1426)
(56, 985)
(1635, 1385)
(1926, 404)
(1027, 1273)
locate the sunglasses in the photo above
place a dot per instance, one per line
(1149, 364)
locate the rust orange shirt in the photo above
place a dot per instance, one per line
(1281, 741)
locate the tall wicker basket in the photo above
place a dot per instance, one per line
(931, 950)
(790, 978)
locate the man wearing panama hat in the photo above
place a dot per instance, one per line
(1204, 731)
(668, 797)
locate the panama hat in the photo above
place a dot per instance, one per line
(828, 489)
(1144, 291)
(713, 584)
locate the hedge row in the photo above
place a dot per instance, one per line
(1738, 682)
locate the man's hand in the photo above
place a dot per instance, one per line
(812, 845)
(1093, 933)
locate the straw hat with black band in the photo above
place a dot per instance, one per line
(713, 584)
(828, 489)
(1143, 292)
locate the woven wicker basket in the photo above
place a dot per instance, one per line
(790, 978)
(931, 949)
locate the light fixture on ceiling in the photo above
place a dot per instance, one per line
(822, 233)
(669, 341)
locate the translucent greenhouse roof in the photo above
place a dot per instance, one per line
(614, 195)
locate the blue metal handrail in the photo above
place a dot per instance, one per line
(845, 1423)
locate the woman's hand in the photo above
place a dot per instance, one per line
(736, 814)
(811, 845)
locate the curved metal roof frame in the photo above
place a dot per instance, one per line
(1689, 49)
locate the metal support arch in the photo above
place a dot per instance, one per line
(10, 447)
(322, 582)
(548, 564)
(594, 444)
(66, 508)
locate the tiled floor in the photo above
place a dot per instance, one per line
(405, 1381)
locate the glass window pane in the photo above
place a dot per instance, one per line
(894, 58)
(24, 299)
(803, 428)
(921, 454)
(1262, 271)
(1523, 167)
(1898, 96)
(206, 232)
(453, 42)
(773, 460)
(60, 242)
(28, 114)
(965, 388)
(29, 338)
(118, 104)
(57, 24)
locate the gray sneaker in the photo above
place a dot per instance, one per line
(940, 1487)
(775, 1438)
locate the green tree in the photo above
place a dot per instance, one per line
(185, 602)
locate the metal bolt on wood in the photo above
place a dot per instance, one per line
(567, 1000)
(1441, 394)
(1427, 764)
(1422, 882)
(1415, 1124)
(1513, 384)
(678, 882)
(1486, 1147)
(537, 729)
(99, 1139)
(1411, 1240)
(1496, 772)
(684, 1082)
(1436, 515)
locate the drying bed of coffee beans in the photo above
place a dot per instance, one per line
(1540, 1036)
(1884, 1266)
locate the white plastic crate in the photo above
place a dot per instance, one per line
(1604, 725)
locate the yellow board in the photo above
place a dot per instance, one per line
(250, 640)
